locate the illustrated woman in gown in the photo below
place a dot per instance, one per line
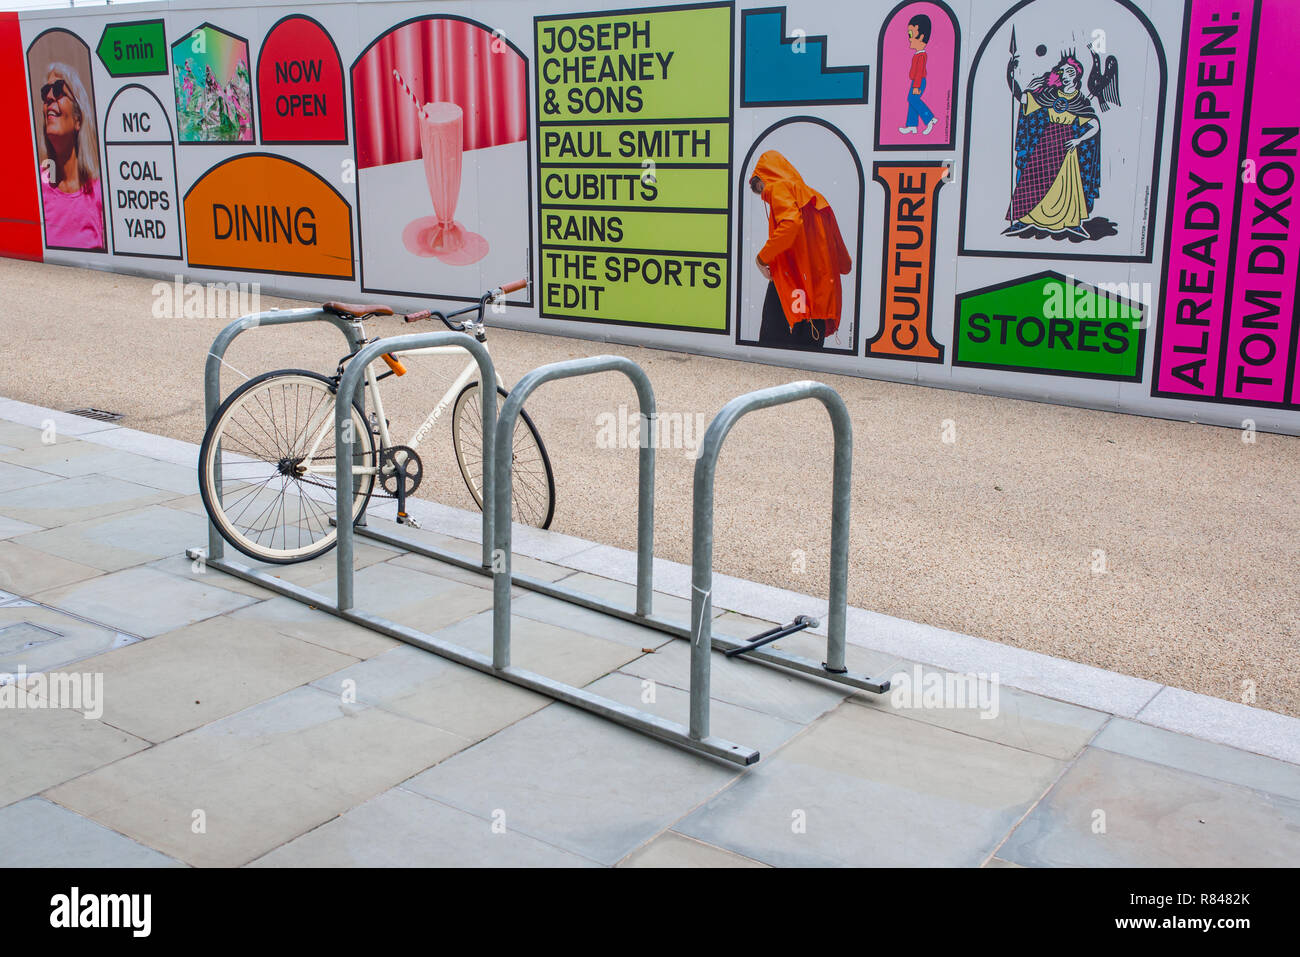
(1058, 146)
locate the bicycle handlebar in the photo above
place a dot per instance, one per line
(501, 290)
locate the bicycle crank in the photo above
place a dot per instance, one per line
(400, 474)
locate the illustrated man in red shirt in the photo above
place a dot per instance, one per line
(918, 37)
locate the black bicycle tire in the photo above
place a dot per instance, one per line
(537, 437)
(207, 441)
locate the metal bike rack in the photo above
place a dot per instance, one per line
(706, 466)
(501, 578)
(498, 664)
(497, 490)
(212, 379)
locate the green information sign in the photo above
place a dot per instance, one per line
(634, 165)
(1049, 323)
(138, 48)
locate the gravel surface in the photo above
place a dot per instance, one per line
(1158, 549)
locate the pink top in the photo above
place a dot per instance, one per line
(74, 220)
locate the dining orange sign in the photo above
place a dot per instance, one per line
(264, 213)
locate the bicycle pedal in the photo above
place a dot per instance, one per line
(404, 519)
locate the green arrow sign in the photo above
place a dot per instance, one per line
(138, 48)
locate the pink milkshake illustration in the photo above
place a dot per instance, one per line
(442, 142)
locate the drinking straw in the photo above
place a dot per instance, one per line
(407, 90)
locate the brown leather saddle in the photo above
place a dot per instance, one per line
(352, 310)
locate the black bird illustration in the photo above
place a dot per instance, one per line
(1104, 84)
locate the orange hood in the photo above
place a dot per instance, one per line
(782, 182)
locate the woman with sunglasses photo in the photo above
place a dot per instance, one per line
(70, 188)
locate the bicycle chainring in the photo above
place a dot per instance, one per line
(409, 470)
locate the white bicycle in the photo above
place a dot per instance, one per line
(267, 463)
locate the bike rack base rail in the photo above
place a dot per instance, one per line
(653, 725)
(766, 655)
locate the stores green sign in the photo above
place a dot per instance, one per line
(138, 48)
(1053, 324)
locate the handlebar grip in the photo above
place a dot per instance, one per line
(417, 316)
(515, 286)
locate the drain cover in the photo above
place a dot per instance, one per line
(99, 414)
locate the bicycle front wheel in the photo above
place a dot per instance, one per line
(267, 466)
(533, 502)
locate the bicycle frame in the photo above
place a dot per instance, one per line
(377, 403)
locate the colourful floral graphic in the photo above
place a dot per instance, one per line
(214, 96)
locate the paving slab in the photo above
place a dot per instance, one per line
(63, 424)
(65, 501)
(662, 605)
(519, 564)
(73, 458)
(409, 597)
(671, 849)
(25, 570)
(402, 829)
(791, 697)
(549, 650)
(865, 788)
(419, 685)
(38, 638)
(1200, 757)
(178, 681)
(565, 614)
(39, 833)
(160, 448)
(261, 777)
(181, 566)
(455, 573)
(194, 505)
(307, 574)
(1237, 725)
(159, 602)
(1112, 810)
(576, 781)
(166, 476)
(12, 528)
(763, 732)
(983, 708)
(14, 475)
(290, 617)
(118, 541)
(19, 436)
(41, 747)
(1029, 671)
(732, 624)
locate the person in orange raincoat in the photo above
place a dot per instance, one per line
(804, 258)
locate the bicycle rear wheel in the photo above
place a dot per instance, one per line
(533, 502)
(254, 466)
